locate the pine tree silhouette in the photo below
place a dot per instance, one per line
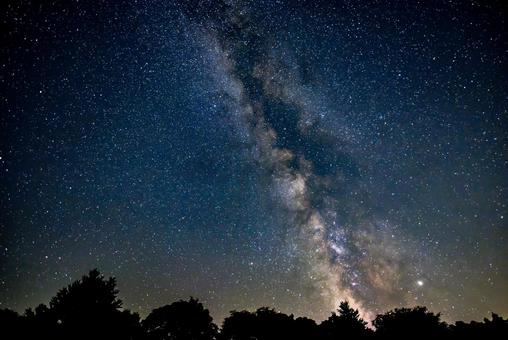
(347, 323)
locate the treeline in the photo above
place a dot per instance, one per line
(90, 309)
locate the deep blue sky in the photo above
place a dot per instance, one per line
(280, 153)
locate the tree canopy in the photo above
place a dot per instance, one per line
(90, 308)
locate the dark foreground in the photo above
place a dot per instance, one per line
(90, 309)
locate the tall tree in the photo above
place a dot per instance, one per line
(347, 323)
(90, 308)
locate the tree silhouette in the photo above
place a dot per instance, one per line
(272, 325)
(347, 323)
(305, 328)
(497, 328)
(267, 324)
(89, 308)
(10, 323)
(239, 326)
(263, 324)
(41, 321)
(181, 320)
(410, 323)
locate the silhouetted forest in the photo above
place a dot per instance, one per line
(90, 309)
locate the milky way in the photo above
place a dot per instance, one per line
(358, 261)
(292, 154)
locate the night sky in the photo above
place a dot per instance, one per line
(290, 154)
